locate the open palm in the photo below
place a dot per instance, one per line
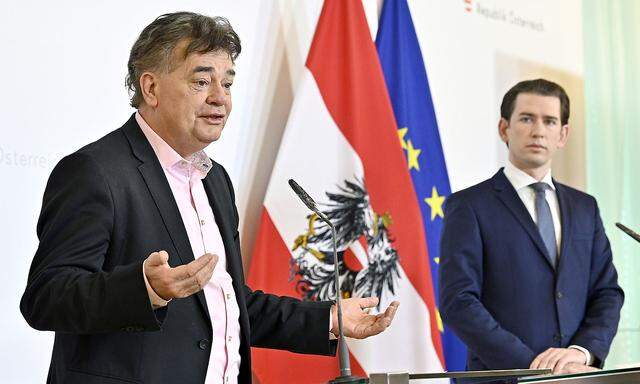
(359, 324)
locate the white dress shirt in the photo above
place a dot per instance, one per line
(521, 181)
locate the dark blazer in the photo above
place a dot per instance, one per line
(105, 209)
(500, 293)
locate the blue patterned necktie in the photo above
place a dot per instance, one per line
(545, 221)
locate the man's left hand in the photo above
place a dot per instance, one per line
(557, 359)
(358, 323)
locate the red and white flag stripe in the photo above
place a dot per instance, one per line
(342, 127)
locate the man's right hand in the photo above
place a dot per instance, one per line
(181, 281)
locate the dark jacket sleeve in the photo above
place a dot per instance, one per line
(67, 288)
(460, 277)
(289, 324)
(605, 298)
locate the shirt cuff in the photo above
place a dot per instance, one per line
(156, 301)
(331, 335)
(588, 357)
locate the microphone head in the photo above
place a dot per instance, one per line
(304, 196)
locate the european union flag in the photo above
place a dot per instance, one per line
(406, 78)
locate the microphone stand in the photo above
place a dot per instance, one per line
(629, 232)
(343, 352)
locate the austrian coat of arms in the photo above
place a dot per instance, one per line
(367, 261)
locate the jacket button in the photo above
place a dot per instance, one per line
(203, 344)
(559, 295)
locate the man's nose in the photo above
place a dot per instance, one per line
(217, 94)
(538, 129)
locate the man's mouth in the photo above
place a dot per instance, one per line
(214, 118)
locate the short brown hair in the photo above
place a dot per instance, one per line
(538, 87)
(154, 47)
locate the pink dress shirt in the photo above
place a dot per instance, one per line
(185, 179)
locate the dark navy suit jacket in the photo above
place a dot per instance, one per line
(500, 293)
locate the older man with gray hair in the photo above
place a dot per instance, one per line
(138, 270)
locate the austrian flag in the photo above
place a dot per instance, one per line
(341, 144)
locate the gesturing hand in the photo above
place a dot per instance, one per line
(557, 358)
(359, 324)
(181, 281)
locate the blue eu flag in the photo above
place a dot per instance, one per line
(408, 86)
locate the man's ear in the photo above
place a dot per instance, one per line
(564, 136)
(148, 87)
(503, 125)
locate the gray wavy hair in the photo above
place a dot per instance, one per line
(154, 48)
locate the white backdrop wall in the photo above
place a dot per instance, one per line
(62, 78)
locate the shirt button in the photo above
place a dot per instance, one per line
(559, 295)
(228, 296)
(201, 222)
(229, 338)
(203, 344)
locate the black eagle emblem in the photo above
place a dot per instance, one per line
(362, 237)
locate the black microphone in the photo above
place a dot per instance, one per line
(308, 201)
(629, 232)
(343, 352)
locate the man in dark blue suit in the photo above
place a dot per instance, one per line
(526, 272)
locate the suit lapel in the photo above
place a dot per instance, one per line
(161, 192)
(565, 219)
(162, 195)
(215, 187)
(508, 195)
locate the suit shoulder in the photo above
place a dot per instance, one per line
(580, 197)
(473, 193)
(107, 147)
(108, 158)
(90, 153)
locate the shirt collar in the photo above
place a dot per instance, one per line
(520, 179)
(168, 157)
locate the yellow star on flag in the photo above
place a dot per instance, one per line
(412, 156)
(402, 132)
(439, 321)
(435, 202)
